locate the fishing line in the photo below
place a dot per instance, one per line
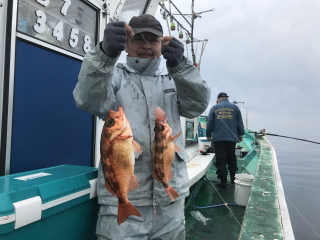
(189, 78)
(276, 135)
(229, 130)
(226, 204)
(147, 88)
(193, 102)
(206, 99)
(302, 216)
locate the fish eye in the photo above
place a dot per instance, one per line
(110, 122)
(161, 128)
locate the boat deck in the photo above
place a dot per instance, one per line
(222, 225)
(266, 215)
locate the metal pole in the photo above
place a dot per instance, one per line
(246, 116)
(187, 50)
(192, 26)
(163, 7)
(165, 14)
(246, 170)
(179, 12)
(202, 50)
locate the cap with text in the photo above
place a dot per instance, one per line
(146, 23)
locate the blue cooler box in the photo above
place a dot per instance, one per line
(52, 203)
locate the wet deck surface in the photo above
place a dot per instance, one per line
(222, 225)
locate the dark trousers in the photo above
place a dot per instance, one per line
(225, 154)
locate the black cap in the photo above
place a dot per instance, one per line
(222, 94)
(146, 23)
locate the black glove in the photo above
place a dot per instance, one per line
(114, 39)
(173, 53)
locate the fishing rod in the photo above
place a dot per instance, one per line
(263, 132)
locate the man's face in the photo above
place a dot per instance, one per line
(144, 45)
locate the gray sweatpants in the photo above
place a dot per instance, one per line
(169, 224)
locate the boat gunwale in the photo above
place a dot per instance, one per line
(282, 210)
(285, 218)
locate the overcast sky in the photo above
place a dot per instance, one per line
(266, 53)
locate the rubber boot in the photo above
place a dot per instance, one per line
(223, 183)
(232, 177)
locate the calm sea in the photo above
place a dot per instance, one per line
(299, 164)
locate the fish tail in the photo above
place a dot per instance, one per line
(125, 210)
(172, 193)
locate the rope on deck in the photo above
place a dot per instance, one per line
(219, 205)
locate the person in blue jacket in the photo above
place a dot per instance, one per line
(225, 126)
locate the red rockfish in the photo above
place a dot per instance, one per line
(117, 156)
(163, 149)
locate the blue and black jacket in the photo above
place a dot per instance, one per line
(225, 122)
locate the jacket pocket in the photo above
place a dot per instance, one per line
(180, 174)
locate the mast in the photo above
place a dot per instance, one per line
(192, 26)
(194, 15)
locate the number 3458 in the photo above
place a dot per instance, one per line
(40, 27)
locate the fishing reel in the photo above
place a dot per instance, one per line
(262, 131)
(260, 134)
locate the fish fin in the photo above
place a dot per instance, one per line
(170, 174)
(135, 177)
(125, 210)
(136, 146)
(123, 137)
(178, 135)
(172, 193)
(177, 149)
(154, 175)
(132, 184)
(108, 187)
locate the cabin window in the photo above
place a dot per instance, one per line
(203, 125)
(191, 138)
(132, 8)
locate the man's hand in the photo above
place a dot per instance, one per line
(115, 38)
(172, 50)
(208, 138)
(240, 139)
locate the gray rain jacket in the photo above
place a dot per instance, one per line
(103, 87)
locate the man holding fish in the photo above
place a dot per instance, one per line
(141, 194)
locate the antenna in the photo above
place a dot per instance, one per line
(189, 36)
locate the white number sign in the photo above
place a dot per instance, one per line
(40, 27)
(58, 31)
(65, 7)
(73, 41)
(86, 45)
(43, 2)
(80, 41)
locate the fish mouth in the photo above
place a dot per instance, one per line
(160, 115)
